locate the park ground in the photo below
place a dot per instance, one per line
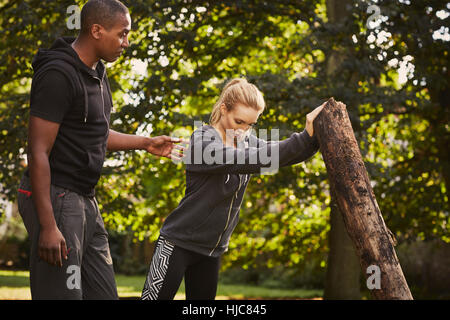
(14, 285)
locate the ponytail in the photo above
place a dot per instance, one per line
(237, 90)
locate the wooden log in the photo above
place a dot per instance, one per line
(349, 181)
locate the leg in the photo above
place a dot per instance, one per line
(47, 281)
(166, 272)
(97, 272)
(201, 279)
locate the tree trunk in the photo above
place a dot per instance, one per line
(343, 270)
(362, 217)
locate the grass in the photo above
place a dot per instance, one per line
(15, 285)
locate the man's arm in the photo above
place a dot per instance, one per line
(41, 137)
(122, 142)
(162, 146)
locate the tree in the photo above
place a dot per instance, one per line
(343, 272)
(354, 195)
(188, 49)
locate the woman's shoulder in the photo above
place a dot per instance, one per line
(204, 131)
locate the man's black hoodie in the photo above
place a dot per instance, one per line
(66, 91)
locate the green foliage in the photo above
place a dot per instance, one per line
(190, 48)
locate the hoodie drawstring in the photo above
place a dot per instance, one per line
(85, 94)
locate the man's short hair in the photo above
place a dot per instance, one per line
(102, 12)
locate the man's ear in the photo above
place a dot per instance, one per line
(96, 31)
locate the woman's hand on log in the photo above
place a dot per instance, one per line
(310, 118)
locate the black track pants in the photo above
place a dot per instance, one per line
(167, 268)
(88, 272)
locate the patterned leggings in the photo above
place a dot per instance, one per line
(167, 268)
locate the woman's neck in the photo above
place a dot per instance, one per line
(223, 135)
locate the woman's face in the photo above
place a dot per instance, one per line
(238, 122)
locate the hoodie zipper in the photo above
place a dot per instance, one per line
(103, 99)
(228, 218)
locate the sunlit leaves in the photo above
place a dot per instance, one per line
(181, 54)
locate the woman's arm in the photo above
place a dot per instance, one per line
(207, 154)
(303, 156)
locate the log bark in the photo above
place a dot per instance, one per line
(349, 182)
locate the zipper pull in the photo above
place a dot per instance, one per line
(240, 184)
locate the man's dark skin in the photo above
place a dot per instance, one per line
(98, 43)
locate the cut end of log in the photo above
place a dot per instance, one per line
(332, 113)
(332, 102)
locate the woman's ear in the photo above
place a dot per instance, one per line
(223, 109)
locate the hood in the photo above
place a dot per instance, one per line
(62, 50)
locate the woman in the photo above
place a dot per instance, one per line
(220, 159)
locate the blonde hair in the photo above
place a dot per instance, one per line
(237, 90)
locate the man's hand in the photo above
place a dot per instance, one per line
(52, 246)
(165, 146)
(310, 118)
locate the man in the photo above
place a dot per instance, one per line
(68, 137)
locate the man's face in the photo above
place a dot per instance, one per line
(115, 40)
